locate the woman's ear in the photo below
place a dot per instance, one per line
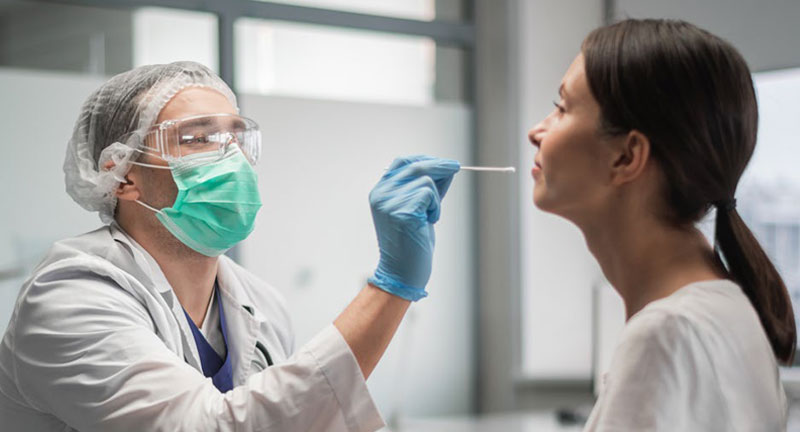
(126, 190)
(631, 159)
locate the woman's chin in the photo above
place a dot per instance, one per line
(539, 199)
(544, 202)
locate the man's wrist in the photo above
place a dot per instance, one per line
(394, 287)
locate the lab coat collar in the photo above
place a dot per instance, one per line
(149, 273)
(244, 327)
(231, 286)
(147, 269)
(244, 320)
(226, 278)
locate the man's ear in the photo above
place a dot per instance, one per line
(631, 158)
(126, 190)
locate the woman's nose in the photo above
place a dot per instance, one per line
(536, 134)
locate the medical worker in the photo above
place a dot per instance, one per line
(144, 324)
(656, 121)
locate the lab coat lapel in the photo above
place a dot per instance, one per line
(243, 327)
(140, 264)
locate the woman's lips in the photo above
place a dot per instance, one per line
(536, 168)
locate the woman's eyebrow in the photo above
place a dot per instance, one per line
(562, 91)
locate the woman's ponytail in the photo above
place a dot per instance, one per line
(749, 266)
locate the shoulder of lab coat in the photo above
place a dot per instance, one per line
(83, 348)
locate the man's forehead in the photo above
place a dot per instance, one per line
(194, 101)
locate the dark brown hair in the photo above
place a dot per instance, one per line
(692, 95)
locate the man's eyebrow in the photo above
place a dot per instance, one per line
(199, 122)
(238, 124)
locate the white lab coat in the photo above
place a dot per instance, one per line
(98, 342)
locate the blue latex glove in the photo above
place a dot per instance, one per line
(405, 204)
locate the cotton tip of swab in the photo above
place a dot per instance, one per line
(490, 169)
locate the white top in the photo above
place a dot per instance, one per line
(98, 342)
(698, 360)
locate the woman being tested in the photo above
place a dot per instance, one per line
(655, 124)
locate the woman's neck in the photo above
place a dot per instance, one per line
(646, 260)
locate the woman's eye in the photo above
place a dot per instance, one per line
(559, 107)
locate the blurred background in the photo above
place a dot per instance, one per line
(520, 323)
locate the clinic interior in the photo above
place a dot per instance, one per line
(520, 321)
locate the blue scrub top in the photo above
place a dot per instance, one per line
(215, 367)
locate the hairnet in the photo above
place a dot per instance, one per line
(128, 102)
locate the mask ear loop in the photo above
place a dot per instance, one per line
(149, 207)
(141, 203)
(149, 165)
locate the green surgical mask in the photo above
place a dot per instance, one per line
(217, 201)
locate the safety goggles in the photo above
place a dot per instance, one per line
(210, 134)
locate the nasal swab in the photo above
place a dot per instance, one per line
(490, 169)
(485, 169)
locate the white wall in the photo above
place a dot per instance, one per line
(558, 272)
(64, 37)
(39, 110)
(162, 35)
(321, 62)
(765, 31)
(315, 241)
(535, 275)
